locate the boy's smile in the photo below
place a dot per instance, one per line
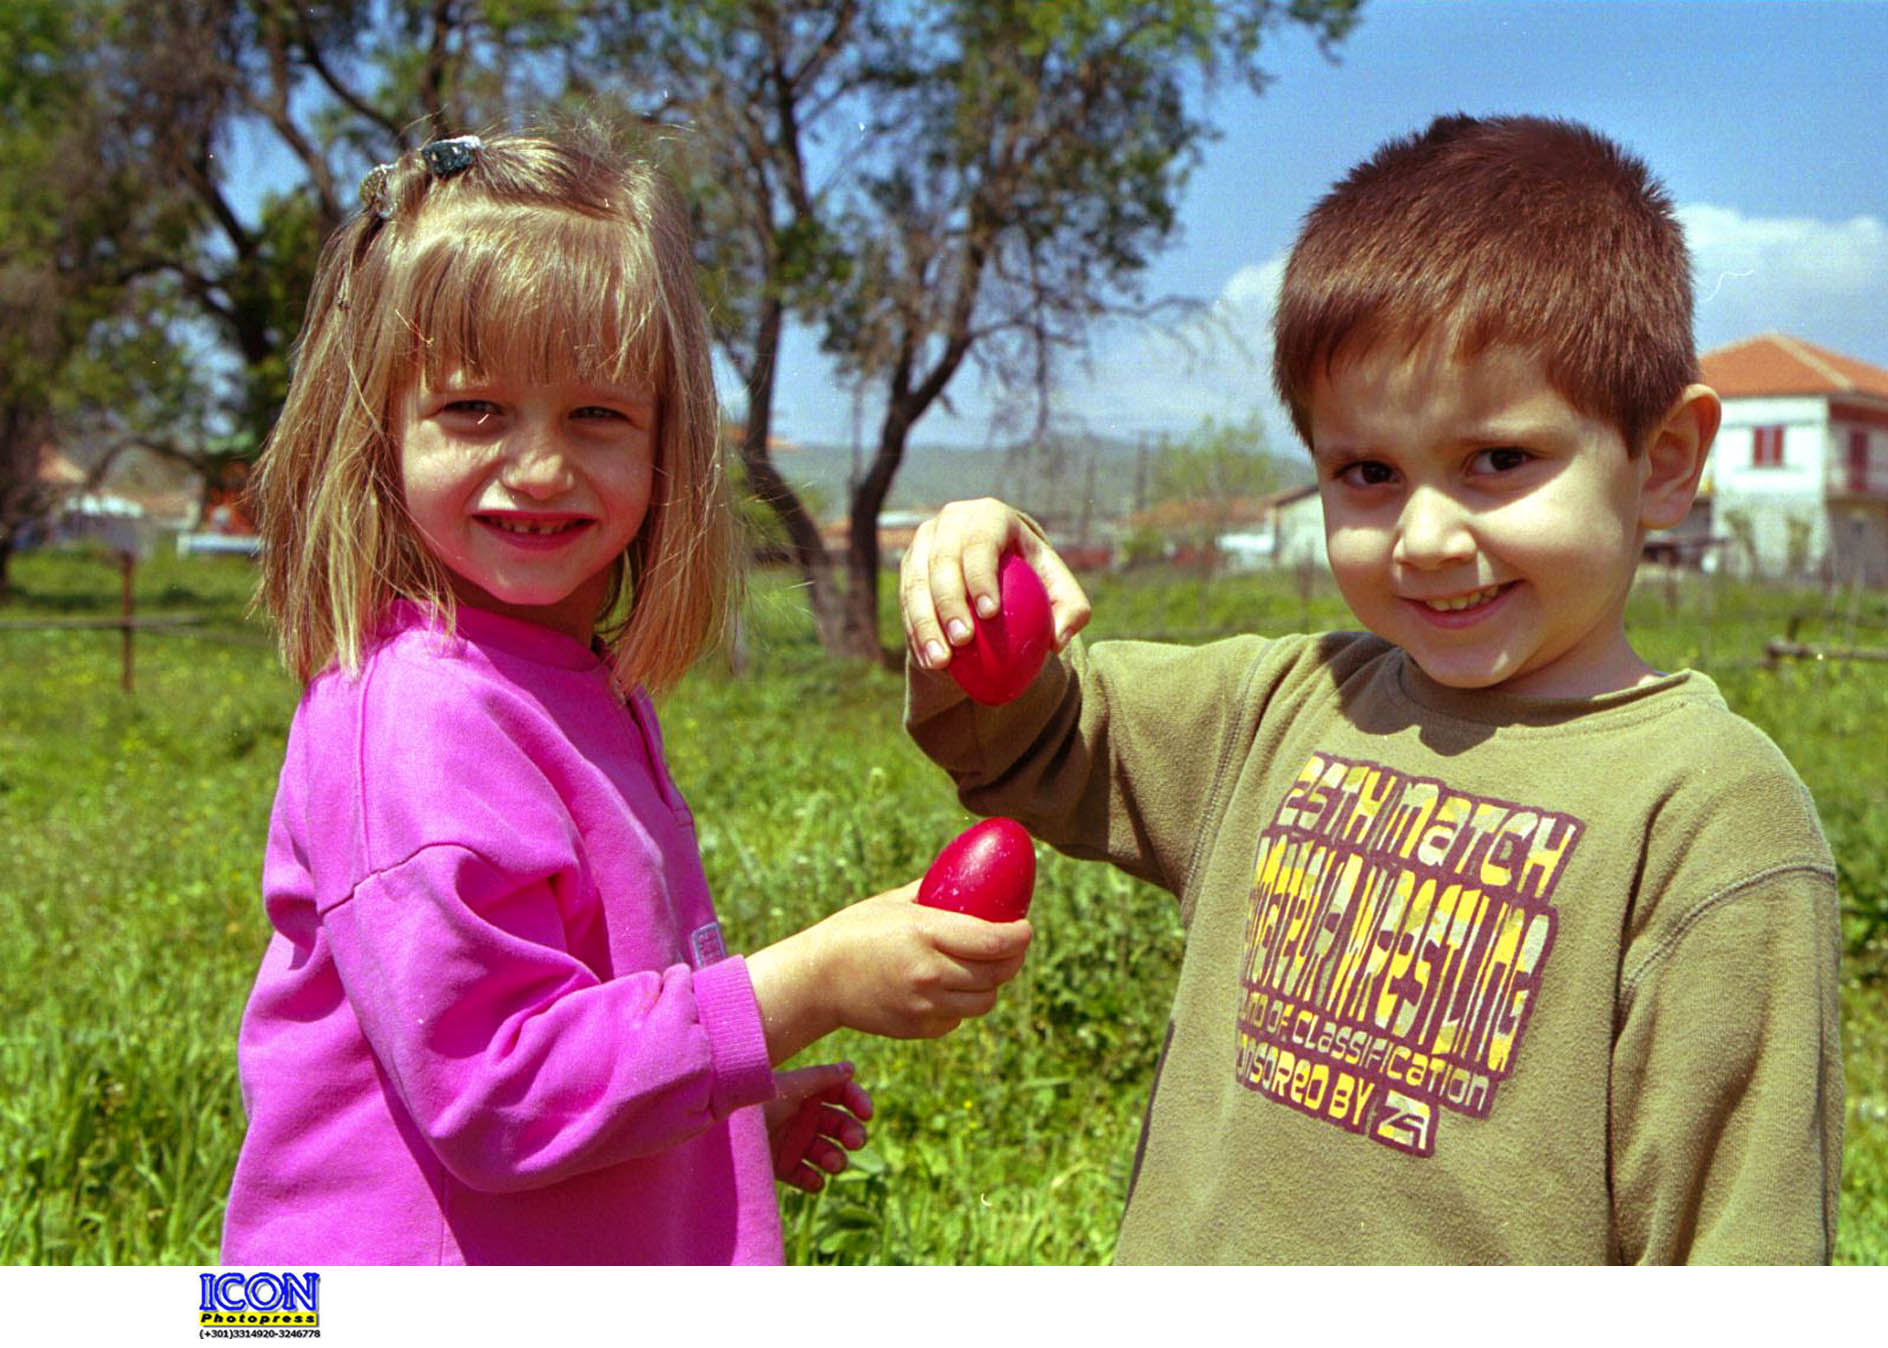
(528, 493)
(1475, 518)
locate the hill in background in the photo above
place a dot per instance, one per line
(1101, 478)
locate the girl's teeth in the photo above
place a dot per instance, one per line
(520, 527)
(1460, 602)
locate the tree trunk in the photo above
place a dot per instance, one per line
(860, 633)
(824, 596)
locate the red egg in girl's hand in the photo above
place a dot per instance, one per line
(1007, 649)
(988, 871)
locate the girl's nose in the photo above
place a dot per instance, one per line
(1433, 531)
(536, 464)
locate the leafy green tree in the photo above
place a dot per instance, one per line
(931, 184)
(1211, 476)
(997, 174)
(85, 346)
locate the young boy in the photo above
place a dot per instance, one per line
(1501, 945)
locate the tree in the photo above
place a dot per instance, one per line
(931, 183)
(78, 340)
(754, 86)
(1004, 172)
(1207, 474)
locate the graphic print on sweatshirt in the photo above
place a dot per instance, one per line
(1396, 938)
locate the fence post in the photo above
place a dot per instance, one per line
(127, 563)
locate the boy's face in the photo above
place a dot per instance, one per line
(1476, 519)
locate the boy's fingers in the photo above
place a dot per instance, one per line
(923, 632)
(1068, 603)
(944, 574)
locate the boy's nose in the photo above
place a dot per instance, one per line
(1433, 532)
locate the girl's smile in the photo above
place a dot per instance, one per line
(536, 531)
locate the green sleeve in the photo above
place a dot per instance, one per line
(1118, 751)
(1727, 1078)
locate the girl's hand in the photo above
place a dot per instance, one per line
(886, 965)
(951, 569)
(814, 1119)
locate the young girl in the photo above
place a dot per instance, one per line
(496, 1022)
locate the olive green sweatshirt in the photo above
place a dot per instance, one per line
(1468, 977)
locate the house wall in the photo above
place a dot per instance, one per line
(1870, 421)
(1300, 529)
(1776, 510)
(1858, 492)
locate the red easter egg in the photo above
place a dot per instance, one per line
(1007, 649)
(988, 871)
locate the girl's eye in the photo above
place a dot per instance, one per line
(1366, 473)
(476, 408)
(1504, 459)
(599, 414)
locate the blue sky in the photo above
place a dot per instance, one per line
(1767, 122)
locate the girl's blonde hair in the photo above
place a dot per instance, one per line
(538, 260)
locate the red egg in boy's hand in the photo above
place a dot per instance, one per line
(988, 871)
(1007, 649)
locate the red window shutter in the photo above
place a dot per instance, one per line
(1858, 461)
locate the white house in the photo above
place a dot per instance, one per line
(1798, 480)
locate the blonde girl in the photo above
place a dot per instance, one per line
(496, 1021)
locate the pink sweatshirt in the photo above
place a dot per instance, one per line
(496, 1023)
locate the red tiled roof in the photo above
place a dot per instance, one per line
(1774, 364)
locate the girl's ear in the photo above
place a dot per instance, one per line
(1675, 457)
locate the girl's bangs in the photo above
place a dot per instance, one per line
(538, 295)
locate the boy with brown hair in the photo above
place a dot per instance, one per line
(1501, 945)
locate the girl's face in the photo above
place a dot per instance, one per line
(528, 493)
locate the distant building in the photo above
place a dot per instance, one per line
(1798, 479)
(1282, 528)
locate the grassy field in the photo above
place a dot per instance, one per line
(134, 824)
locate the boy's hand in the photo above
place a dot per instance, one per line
(886, 965)
(951, 569)
(814, 1119)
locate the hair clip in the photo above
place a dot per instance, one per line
(374, 191)
(447, 157)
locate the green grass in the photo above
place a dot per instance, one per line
(134, 827)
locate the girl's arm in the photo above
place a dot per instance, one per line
(517, 1065)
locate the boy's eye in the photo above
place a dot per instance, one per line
(1504, 459)
(1366, 473)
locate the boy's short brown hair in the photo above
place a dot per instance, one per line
(1528, 232)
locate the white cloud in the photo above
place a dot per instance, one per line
(1825, 281)
(1218, 365)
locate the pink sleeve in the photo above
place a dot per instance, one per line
(517, 1064)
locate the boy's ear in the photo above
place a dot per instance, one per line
(1674, 457)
